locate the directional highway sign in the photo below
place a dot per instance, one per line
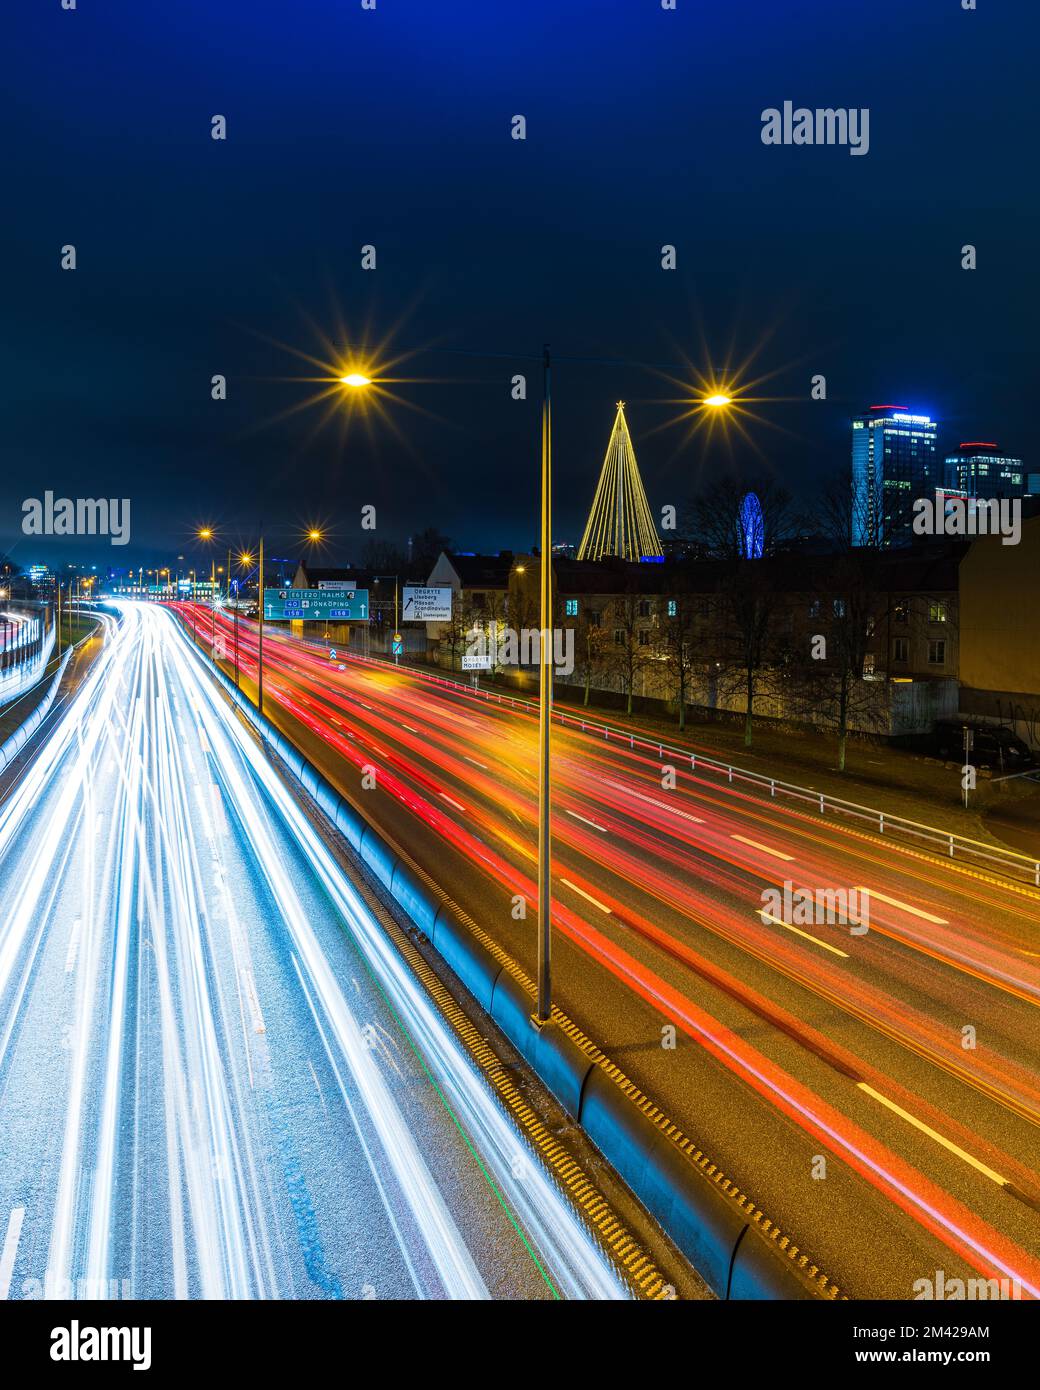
(431, 605)
(316, 605)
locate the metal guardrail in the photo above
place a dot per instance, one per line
(1020, 868)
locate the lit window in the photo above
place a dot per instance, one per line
(937, 612)
(673, 608)
(571, 607)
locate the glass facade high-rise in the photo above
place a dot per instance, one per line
(979, 469)
(893, 463)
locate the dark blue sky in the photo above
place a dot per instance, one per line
(393, 127)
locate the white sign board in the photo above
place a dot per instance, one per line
(476, 663)
(336, 584)
(423, 605)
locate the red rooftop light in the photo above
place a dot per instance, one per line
(978, 444)
(890, 407)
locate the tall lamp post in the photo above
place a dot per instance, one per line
(260, 628)
(716, 401)
(543, 1010)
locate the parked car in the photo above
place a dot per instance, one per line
(992, 746)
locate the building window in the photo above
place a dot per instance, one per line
(937, 652)
(592, 617)
(839, 607)
(644, 637)
(868, 665)
(814, 608)
(644, 608)
(619, 637)
(901, 614)
(937, 612)
(901, 649)
(702, 608)
(673, 608)
(571, 607)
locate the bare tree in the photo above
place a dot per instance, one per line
(590, 648)
(675, 641)
(747, 599)
(849, 600)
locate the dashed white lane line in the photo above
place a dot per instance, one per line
(777, 854)
(768, 917)
(601, 828)
(905, 907)
(409, 728)
(452, 802)
(70, 959)
(10, 1250)
(926, 1129)
(588, 896)
(662, 805)
(474, 762)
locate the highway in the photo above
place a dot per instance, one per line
(876, 1093)
(217, 1078)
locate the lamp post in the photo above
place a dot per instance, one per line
(543, 1010)
(260, 628)
(245, 559)
(717, 401)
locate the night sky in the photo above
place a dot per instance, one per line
(392, 127)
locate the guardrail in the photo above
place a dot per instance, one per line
(1020, 868)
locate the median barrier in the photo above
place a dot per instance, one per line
(14, 743)
(472, 962)
(560, 1063)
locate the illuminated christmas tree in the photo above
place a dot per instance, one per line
(620, 522)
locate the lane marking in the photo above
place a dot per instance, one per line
(588, 896)
(663, 805)
(451, 802)
(939, 1139)
(601, 828)
(768, 917)
(70, 959)
(474, 762)
(409, 728)
(14, 1234)
(894, 902)
(778, 854)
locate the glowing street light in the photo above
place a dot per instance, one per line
(356, 379)
(718, 400)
